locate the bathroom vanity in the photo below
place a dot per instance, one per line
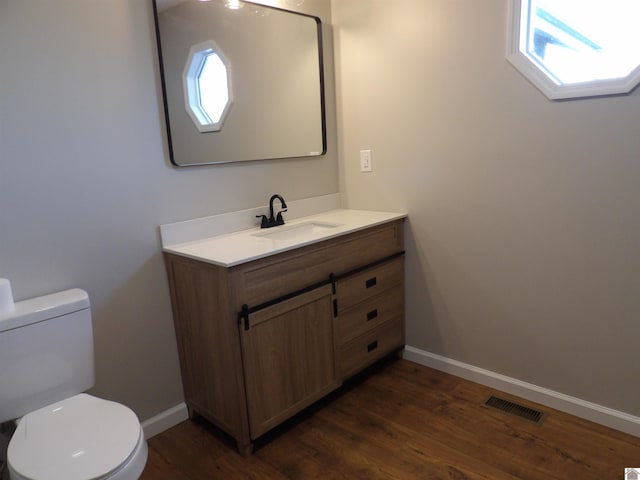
(269, 321)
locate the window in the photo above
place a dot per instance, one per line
(576, 48)
(207, 92)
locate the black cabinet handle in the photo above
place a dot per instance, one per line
(372, 346)
(372, 314)
(371, 282)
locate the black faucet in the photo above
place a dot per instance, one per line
(273, 221)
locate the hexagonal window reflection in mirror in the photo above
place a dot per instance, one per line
(576, 48)
(207, 87)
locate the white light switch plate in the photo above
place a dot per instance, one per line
(365, 161)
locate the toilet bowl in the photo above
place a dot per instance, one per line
(46, 355)
(79, 438)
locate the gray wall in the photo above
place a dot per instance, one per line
(524, 214)
(85, 180)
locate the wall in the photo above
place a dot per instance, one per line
(85, 180)
(523, 231)
(524, 214)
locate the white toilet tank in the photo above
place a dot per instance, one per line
(46, 352)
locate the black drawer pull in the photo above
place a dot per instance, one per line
(372, 314)
(372, 346)
(371, 282)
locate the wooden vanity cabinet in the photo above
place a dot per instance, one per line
(260, 341)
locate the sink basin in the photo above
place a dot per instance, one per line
(296, 232)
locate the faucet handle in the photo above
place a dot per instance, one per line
(279, 219)
(265, 221)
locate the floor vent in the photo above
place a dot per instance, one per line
(516, 409)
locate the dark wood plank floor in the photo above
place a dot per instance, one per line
(404, 421)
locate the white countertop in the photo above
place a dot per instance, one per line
(243, 246)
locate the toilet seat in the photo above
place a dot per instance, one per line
(79, 438)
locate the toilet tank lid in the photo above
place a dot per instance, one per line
(42, 308)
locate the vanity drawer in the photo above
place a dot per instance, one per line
(372, 281)
(370, 313)
(366, 349)
(268, 278)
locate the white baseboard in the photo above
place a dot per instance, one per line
(165, 420)
(580, 408)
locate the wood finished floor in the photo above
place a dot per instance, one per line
(404, 421)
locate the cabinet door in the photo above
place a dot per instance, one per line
(289, 357)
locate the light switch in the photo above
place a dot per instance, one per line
(365, 161)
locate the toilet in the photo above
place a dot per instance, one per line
(46, 363)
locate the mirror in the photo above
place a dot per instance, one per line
(260, 69)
